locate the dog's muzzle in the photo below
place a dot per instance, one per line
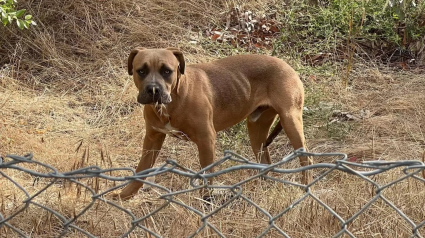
(153, 94)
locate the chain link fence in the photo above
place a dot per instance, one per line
(14, 209)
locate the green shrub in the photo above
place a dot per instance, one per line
(10, 14)
(377, 26)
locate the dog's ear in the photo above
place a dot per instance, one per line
(133, 53)
(180, 58)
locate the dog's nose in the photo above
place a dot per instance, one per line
(153, 90)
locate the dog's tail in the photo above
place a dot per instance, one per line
(276, 130)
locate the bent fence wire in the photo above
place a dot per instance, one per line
(68, 225)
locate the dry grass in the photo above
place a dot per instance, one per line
(64, 83)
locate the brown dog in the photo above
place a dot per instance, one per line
(197, 101)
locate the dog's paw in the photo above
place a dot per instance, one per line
(146, 186)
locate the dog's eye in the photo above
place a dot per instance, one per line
(142, 72)
(167, 71)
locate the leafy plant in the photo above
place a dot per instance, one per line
(377, 26)
(10, 14)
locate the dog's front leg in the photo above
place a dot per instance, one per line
(151, 146)
(206, 149)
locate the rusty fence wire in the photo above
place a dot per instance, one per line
(365, 171)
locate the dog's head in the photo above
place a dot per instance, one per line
(156, 73)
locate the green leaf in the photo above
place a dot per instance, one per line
(4, 20)
(20, 12)
(28, 17)
(20, 23)
(28, 22)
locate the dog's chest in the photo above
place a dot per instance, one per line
(166, 127)
(170, 130)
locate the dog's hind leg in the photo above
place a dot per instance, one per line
(292, 123)
(258, 129)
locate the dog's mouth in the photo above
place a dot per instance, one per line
(146, 98)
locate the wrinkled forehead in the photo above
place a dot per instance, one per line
(155, 59)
